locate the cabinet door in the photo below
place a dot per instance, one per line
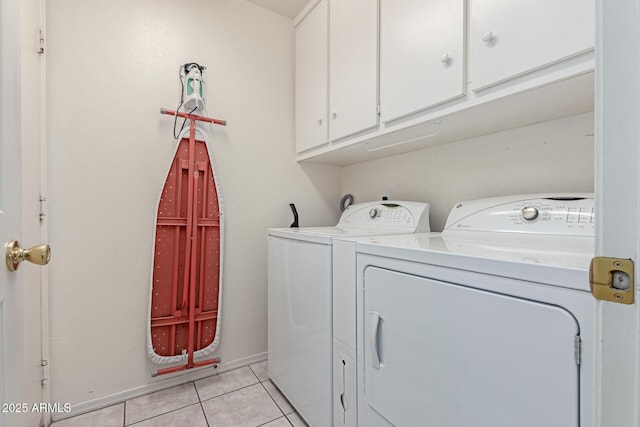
(509, 38)
(353, 66)
(421, 54)
(312, 44)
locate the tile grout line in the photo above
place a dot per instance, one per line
(272, 398)
(161, 415)
(254, 373)
(227, 392)
(265, 389)
(275, 403)
(258, 381)
(232, 391)
(168, 412)
(285, 417)
(206, 420)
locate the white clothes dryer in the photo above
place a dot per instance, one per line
(489, 323)
(300, 299)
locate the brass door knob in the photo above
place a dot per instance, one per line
(40, 254)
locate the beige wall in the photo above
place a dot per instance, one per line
(555, 156)
(111, 66)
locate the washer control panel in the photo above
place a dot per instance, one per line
(560, 214)
(410, 217)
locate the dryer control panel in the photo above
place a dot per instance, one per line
(556, 214)
(412, 217)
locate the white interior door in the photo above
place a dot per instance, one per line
(20, 292)
(10, 210)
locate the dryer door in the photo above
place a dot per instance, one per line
(441, 354)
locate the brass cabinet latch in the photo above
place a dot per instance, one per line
(611, 279)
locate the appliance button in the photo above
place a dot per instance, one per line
(529, 213)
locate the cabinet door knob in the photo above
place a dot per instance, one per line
(487, 37)
(445, 58)
(334, 114)
(319, 121)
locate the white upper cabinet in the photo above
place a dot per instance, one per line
(509, 38)
(311, 79)
(376, 78)
(353, 67)
(422, 57)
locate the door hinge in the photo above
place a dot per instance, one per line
(41, 42)
(43, 208)
(378, 109)
(611, 279)
(45, 371)
(578, 349)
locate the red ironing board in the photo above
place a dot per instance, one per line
(187, 253)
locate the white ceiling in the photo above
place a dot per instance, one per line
(289, 8)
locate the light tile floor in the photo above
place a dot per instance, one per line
(243, 397)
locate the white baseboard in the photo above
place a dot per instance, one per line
(177, 379)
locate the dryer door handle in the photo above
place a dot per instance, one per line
(375, 323)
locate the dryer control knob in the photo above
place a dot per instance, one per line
(373, 213)
(529, 213)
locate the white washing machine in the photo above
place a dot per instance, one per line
(487, 324)
(300, 299)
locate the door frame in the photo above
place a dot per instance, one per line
(617, 189)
